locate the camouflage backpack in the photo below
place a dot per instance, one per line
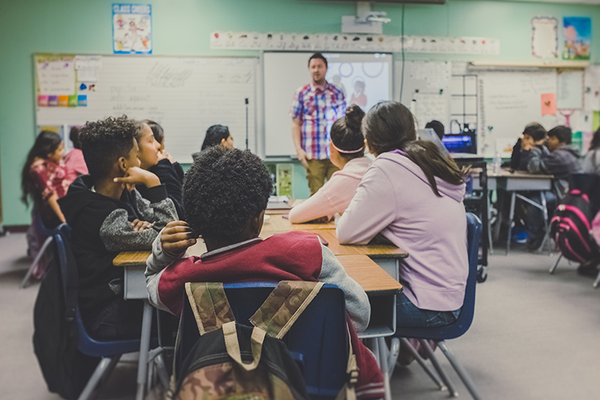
(234, 361)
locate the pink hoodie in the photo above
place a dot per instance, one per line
(395, 198)
(335, 195)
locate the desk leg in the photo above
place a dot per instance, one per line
(546, 222)
(385, 370)
(511, 215)
(144, 349)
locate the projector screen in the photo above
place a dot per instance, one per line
(365, 79)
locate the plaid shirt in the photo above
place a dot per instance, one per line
(317, 110)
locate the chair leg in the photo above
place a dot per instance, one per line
(424, 365)
(393, 354)
(438, 367)
(597, 281)
(163, 375)
(36, 261)
(462, 373)
(553, 268)
(105, 365)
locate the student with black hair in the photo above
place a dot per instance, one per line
(107, 216)
(216, 135)
(347, 147)
(534, 135)
(591, 163)
(413, 196)
(44, 181)
(437, 127)
(557, 158)
(152, 155)
(225, 196)
(74, 162)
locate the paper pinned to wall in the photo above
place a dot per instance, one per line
(570, 90)
(548, 104)
(544, 40)
(56, 75)
(591, 92)
(429, 107)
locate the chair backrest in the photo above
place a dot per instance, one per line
(68, 272)
(318, 339)
(462, 324)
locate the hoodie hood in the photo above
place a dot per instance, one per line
(455, 192)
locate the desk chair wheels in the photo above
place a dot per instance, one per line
(482, 273)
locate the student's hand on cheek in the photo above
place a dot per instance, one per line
(177, 237)
(136, 175)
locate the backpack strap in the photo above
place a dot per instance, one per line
(284, 305)
(233, 345)
(209, 304)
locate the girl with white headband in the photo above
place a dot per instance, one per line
(347, 147)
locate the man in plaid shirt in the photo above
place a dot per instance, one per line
(315, 107)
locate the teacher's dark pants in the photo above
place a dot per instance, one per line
(316, 173)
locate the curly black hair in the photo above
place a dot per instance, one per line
(223, 190)
(103, 142)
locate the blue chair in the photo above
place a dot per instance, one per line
(318, 340)
(109, 351)
(460, 326)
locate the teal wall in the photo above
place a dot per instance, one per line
(182, 27)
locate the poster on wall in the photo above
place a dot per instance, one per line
(577, 32)
(544, 37)
(132, 28)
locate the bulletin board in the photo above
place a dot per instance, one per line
(185, 95)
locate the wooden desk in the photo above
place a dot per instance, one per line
(277, 224)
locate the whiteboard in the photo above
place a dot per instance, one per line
(509, 101)
(185, 95)
(285, 72)
(427, 83)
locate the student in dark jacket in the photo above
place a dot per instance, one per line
(534, 134)
(106, 218)
(155, 160)
(557, 158)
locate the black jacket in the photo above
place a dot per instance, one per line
(101, 228)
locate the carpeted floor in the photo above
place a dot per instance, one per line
(534, 335)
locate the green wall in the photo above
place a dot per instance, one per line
(182, 27)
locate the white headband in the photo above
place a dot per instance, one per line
(347, 151)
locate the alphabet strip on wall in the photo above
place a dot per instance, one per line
(345, 42)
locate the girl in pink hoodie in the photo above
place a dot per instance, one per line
(347, 147)
(412, 194)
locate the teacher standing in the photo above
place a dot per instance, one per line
(315, 108)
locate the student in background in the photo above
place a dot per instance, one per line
(106, 218)
(412, 195)
(216, 135)
(437, 127)
(157, 162)
(534, 135)
(557, 158)
(591, 163)
(44, 181)
(74, 162)
(225, 197)
(347, 147)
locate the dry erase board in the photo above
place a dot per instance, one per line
(185, 95)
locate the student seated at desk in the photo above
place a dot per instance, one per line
(74, 162)
(156, 161)
(557, 158)
(347, 147)
(225, 197)
(413, 195)
(216, 135)
(106, 218)
(534, 135)
(591, 163)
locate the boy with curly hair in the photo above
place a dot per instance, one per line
(107, 215)
(225, 197)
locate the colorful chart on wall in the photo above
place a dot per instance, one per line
(577, 32)
(132, 28)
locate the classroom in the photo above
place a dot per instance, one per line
(485, 69)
